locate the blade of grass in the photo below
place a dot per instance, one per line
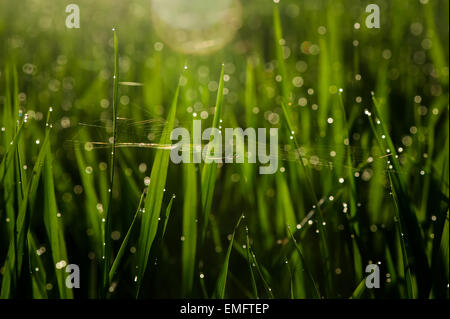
(251, 264)
(10, 164)
(208, 177)
(124, 244)
(54, 228)
(219, 292)
(285, 89)
(189, 229)
(154, 198)
(262, 272)
(440, 264)
(8, 158)
(106, 253)
(320, 221)
(411, 234)
(38, 275)
(399, 226)
(359, 290)
(167, 215)
(444, 249)
(23, 217)
(278, 32)
(91, 200)
(304, 267)
(437, 51)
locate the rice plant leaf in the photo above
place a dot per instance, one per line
(285, 88)
(324, 249)
(208, 177)
(155, 193)
(167, 216)
(359, 290)
(124, 244)
(91, 201)
(22, 223)
(251, 265)
(189, 228)
(260, 269)
(440, 262)
(8, 157)
(279, 51)
(13, 264)
(54, 228)
(219, 292)
(411, 235)
(315, 292)
(437, 51)
(106, 253)
(444, 249)
(13, 194)
(38, 274)
(9, 278)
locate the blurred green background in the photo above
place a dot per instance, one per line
(352, 203)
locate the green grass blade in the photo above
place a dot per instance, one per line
(8, 158)
(9, 278)
(219, 292)
(437, 51)
(304, 267)
(440, 263)
(38, 275)
(325, 251)
(251, 265)
(93, 215)
(106, 255)
(155, 194)
(189, 229)
(359, 290)
(208, 177)
(124, 244)
(23, 217)
(261, 270)
(279, 52)
(444, 249)
(167, 216)
(54, 228)
(411, 235)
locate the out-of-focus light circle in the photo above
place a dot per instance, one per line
(196, 26)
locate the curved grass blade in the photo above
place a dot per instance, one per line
(91, 200)
(208, 178)
(13, 264)
(167, 216)
(279, 51)
(285, 90)
(188, 253)
(440, 265)
(155, 194)
(409, 228)
(106, 254)
(38, 275)
(23, 216)
(123, 246)
(54, 227)
(444, 248)
(261, 270)
(7, 158)
(359, 290)
(315, 292)
(251, 264)
(219, 292)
